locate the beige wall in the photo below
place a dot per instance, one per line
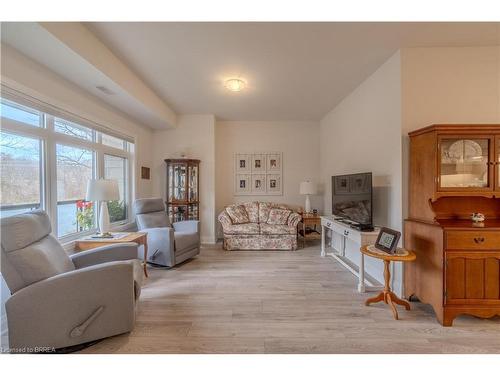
(24, 74)
(362, 134)
(298, 141)
(194, 136)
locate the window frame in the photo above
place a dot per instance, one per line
(49, 138)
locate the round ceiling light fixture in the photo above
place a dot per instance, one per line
(235, 84)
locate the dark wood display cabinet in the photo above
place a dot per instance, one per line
(183, 197)
(454, 171)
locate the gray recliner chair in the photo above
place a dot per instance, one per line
(168, 244)
(59, 300)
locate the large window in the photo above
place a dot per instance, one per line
(47, 161)
(75, 167)
(115, 168)
(20, 173)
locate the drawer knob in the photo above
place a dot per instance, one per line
(478, 239)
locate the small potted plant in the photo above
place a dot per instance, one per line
(84, 215)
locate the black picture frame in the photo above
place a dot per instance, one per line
(387, 240)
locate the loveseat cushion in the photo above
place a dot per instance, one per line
(277, 229)
(278, 216)
(252, 209)
(248, 228)
(238, 214)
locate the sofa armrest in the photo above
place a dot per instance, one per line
(293, 219)
(73, 307)
(187, 226)
(107, 253)
(225, 220)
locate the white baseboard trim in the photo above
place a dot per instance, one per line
(208, 241)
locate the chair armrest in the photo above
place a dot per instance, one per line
(160, 240)
(107, 253)
(225, 220)
(47, 313)
(293, 219)
(187, 226)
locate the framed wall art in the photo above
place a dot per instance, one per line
(243, 163)
(258, 173)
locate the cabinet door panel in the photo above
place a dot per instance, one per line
(492, 278)
(472, 278)
(455, 278)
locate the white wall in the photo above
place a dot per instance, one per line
(363, 134)
(297, 140)
(194, 136)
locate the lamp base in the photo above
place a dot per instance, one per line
(308, 205)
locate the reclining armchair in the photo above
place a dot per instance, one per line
(58, 300)
(168, 244)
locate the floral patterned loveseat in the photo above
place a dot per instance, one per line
(259, 226)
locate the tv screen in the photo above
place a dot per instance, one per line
(352, 197)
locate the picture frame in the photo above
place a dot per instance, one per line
(259, 183)
(243, 184)
(387, 240)
(145, 173)
(274, 184)
(243, 163)
(258, 163)
(273, 162)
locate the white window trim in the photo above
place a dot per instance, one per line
(50, 138)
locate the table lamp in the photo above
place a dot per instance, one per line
(103, 191)
(307, 188)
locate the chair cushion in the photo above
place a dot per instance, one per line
(252, 209)
(157, 219)
(238, 214)
(185, 240)
(278, 216)
(248, 228)
(145, 205)
(31, 252)
(277, 229)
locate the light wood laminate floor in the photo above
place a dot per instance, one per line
(282, 302)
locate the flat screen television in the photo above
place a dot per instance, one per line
(352, 199)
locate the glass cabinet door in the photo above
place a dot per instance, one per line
(193, 183)
(177, 182)
(465, 163)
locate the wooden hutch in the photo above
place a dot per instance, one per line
(183, 181)
(454, 171)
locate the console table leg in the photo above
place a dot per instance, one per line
(361, 282)
(323, 230)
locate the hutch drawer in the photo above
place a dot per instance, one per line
(473, 240)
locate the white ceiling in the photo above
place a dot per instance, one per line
(294, 71)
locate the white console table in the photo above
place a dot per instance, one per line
(344, 232)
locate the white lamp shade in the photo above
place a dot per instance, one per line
(102, 190)
(307, 188)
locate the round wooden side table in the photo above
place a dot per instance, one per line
(387, 295)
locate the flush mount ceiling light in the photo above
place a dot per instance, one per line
(234, 84)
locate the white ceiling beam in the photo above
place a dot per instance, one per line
(84, 43)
